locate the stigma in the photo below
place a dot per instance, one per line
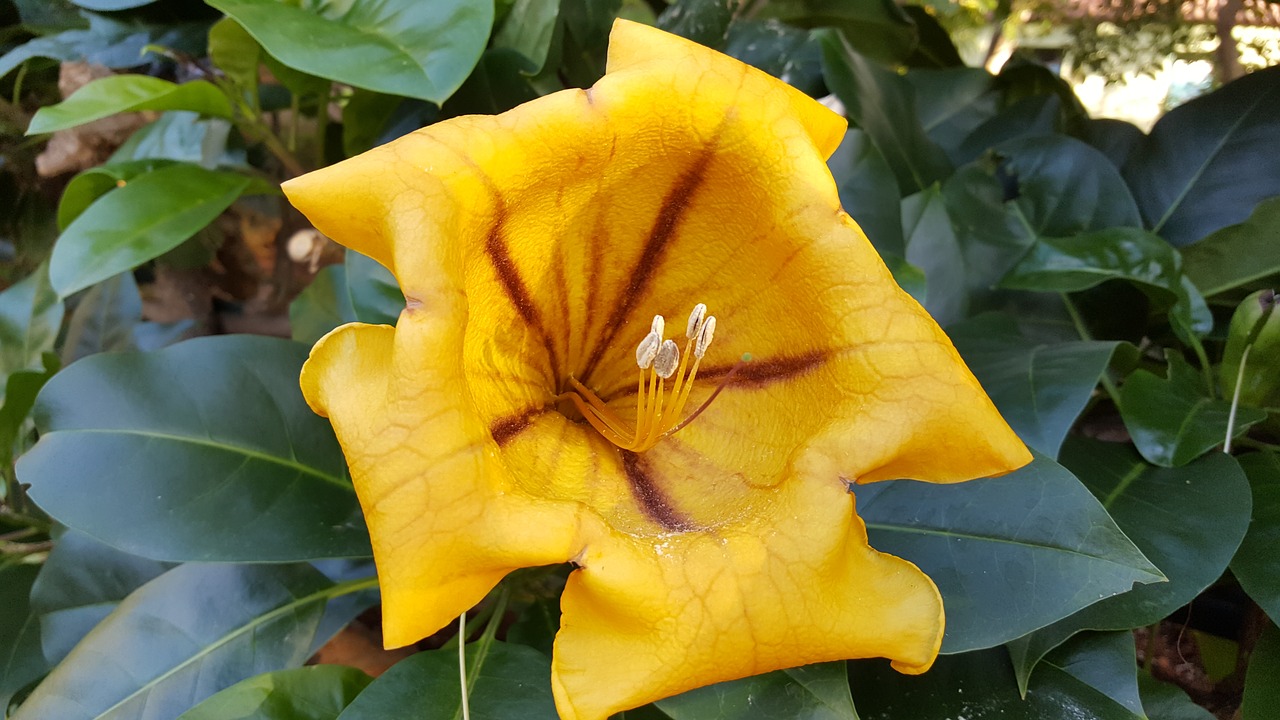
(666, 378)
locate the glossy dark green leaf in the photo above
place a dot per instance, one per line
(1009, 554)
(1257, 564)
(20, 392)
(868, 191)
(882, 103)
(1035, 116)
(789, 54)
(364, 118)
(1262, 683)
(812, 692)
(1065, 187)
(1188, 521)
(586, 38)
(990, 227)
(322, 306)
(1237, 255)
(952, 103)
(202, 451)
(399, 47)
(529, 29)
(1172, 420)
(931, 246)
(1106, 662)
(934, 48)
(375, 294)
(1079, 262)
(21, 661)
(104, 319)
(498, 84)
(181, 137)
(319, 692)
(876, 28)
(150, 215)
(1040, 389)
(95, 182)
(234, 51)
(976, 686)
(1116, 139)
(1206, 163)
(513, 681)
(1163, 701)
(129, 93)
(30, 316)
(80, 583)
(191, 632)
(705, 22)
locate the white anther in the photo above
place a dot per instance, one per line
(647, 350)
(667, 360)
(659, 326)
(704, 337)
(695, 321)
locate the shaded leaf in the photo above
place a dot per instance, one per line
(876, 28)
(20, 392)
(934, 48)
(868, 191)
(1237, 255)
(201, 451)
(319, 692)
(234, 51)
(1164, 701)
(104, 319)
(30, 316)
(95, 182)
(812, 692)
(1256, 564)
(129, 93)
(952, 103)
(1009, 554)
(399, 47)
(793, 56)
(1064, 187)
(20, 660)
(181, 137)
(375, 294)
(498, 84)
(1262, 683)
(1116, 139)
(1106, 662)
(932, 247)
(115, 43)
(529, 29)
(364, 118)
(322, 306)
(705, 22)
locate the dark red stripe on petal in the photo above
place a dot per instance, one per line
(652, 500)
(765, 371)
(504, 430)
(514, 286)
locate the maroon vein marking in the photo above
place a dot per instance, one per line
(513, 284)
(504, 430)
(651, 498)
(660, 235)
(759, 373)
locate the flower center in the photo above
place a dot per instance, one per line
(659, 413)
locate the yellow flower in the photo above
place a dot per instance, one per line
(527, 411)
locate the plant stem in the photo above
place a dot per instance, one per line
(1235, 401)
(1083, 331)
(462, 666)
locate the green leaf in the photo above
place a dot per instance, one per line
(115, 43)
(20, 660)
(935, 48)
(1106, 662)
(364, 117)
(513, 681)
(882, 103)
(586, 38)
(1256, 564)
(319, 692)
(1065, 187)
(147, 217)
(1188, 520)
(868, 191)
(812, 692)
(1171, 420)
(375, 294)
(30, 316)
(322, 306)
(400, 47)
(80, 583)
(1201, 168)
(976, 686)
(952, 103)
(20, 393)
(202, 451)
(529, 29)
(879, 29)
(1009, 554)
(236, 53)
(182, 137)
(1237, 255)
(1030, 117)
(104, 319)
(496, 85)
(705, 22)
(111, 5)
(1079, 262)
(933, 248)
(1164, 701)
(1039, 388)
(95, 182)
(1116, 139)
(1262, 683)
(182, 637)
(793, 56)
(129, 93)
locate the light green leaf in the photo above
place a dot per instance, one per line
(400, 47)
(528, 29)
(1262, 683)
(30, 316)
(147, 217)
(812, 692)
(182, 137)
(319, 692)
(129, 93)
(95, 182)
(1237, 255)
(1257, 564)
(203, 451)
(236, 53)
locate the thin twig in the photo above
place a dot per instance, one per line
(1235, 401)
(462, 665)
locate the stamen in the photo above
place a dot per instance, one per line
(659, 326)
(668, 357)
(695, 321)
(704, 337)
(648, 349)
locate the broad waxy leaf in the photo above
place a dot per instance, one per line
(375, 296)
(1114, 138)
(868, 191)
(182, 136)
(1036, 116)
(952, 103)
(1010, 554)
(875, 28)
(150, 215)
(1262, 683)
(107, 41)
(1039, 388)
(529, 29)
(129, 93)
(791, 55)
(512, 681)
(1256, 564)
(20, 660)
(1187, 520)
(705, 22)
(1207, 163)
(931, 246)
(189, 633)
(319, 692)
(401, 47)
(104, 319)
(811, 692)
(1083, 261)
(30, 315)
(496, 85)
(1171, 420)
(80, 583)
(322, 306)
(1237, 255)
(201, 451)
(1065, 187)
(95, 182)
(109, 5)
(1165, 701)
(236, 53)
(1106, 662)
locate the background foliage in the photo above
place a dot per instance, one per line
(178, 532)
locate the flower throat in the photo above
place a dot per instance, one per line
(658, 413)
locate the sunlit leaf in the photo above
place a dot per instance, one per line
(129, 93)
(319, 692)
